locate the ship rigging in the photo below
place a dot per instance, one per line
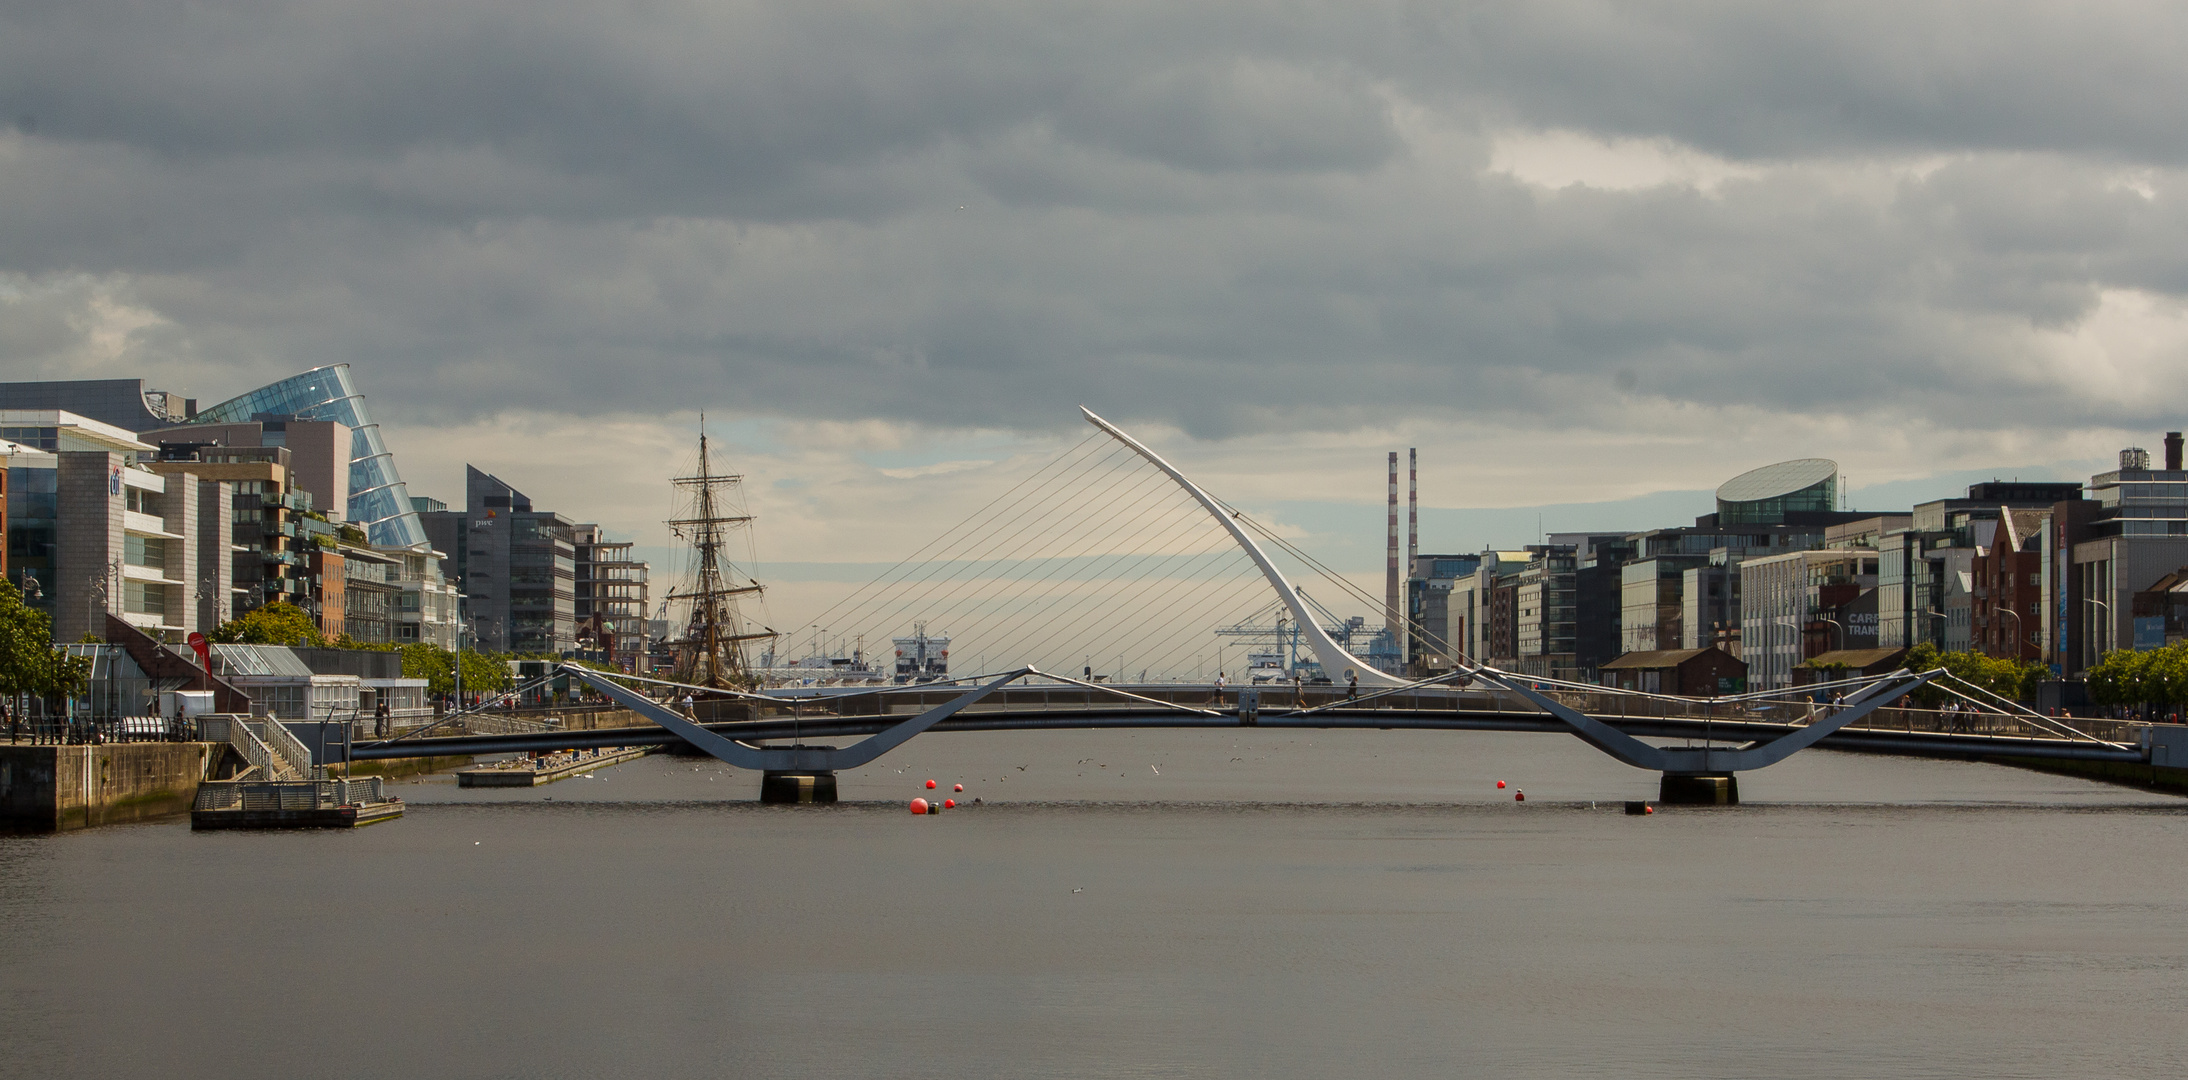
(711, 652)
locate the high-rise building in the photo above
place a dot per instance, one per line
(611, 598)
(1545, 619)
(376, 500)
(516, 567)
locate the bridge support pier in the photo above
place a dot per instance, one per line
(812, 786)
(1699, 789)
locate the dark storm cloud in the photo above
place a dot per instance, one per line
(1227, 216)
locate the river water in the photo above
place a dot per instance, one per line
(1191, 904)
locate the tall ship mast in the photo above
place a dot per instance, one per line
(711, 652)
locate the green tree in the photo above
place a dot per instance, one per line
(278, 623)
(2009, 679)
(483, 673)
(2150, 679)
(29, 664)
(2117, 678)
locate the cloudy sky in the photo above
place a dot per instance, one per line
(1579, 253)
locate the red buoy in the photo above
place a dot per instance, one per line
(930, 785)
(1500, 785)
(1648, 809)
(949, 804)
(959, 787)
(919, 806)
(1519, 796)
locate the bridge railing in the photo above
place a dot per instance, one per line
(1283, 697)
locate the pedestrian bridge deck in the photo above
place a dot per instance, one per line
(849, 714)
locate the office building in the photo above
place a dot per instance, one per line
(1922, 596)
(122, 403)
(316, 452)
(1597, 594)
(1709, 604)
(1545, 617)
(1438, 634)
(1784, 600)
(146, 547)
(515, 566)
(375, 498)
(91, 531)
(266, 549)
(611, 590)
(1776, 494)
(2131, 531)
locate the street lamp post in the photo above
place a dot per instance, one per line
(32, 593)
(2108, 617)
(1841, 629)
(1936, 614)
(1997, 610)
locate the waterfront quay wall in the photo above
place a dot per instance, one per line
(2148, 777)
(58, 788)
(589, 719)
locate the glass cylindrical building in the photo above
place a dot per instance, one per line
(378, 501)
(1765, 496)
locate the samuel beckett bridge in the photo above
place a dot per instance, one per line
(1104, 553)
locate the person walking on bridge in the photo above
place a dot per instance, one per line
(1352, 684)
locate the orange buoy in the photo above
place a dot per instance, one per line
(949, 804)
(1519, 796)
(930, 785)
(919, 806)
(1500, 785)
(959, 787)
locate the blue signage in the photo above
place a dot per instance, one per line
(2149, 632)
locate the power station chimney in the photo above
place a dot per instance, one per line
(1390, 567)
(1412, 508)
(2172, 450)
(1412, 546)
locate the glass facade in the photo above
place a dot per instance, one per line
(2140, 503)
(1822, 496)
(1765, 496)
(34, 505)
(378, 501)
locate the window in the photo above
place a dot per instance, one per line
(148, 551)
(44, 438)
(140, 598)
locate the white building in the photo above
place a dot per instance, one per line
(92, 532)
(1778, 602)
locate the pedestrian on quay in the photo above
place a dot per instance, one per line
(379, 720)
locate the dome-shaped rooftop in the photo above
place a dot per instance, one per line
(1776, 481)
